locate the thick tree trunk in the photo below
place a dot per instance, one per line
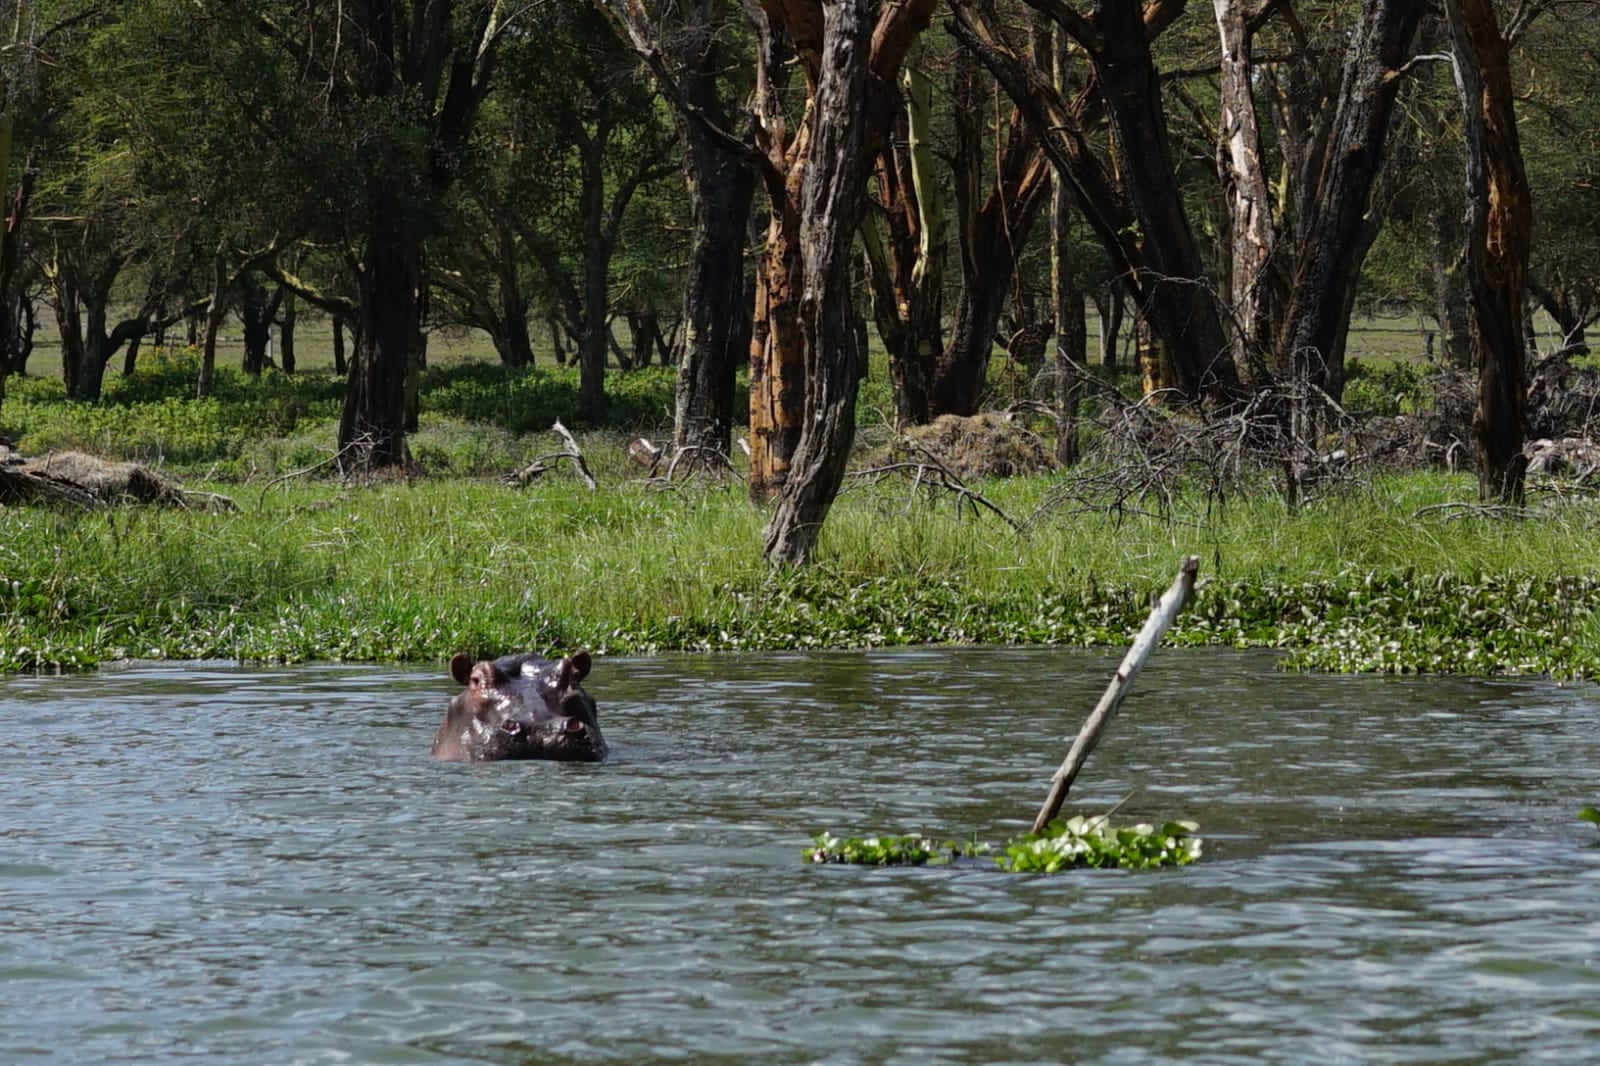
(13, 356)
(286, 357)
(257, 308)
(595, 340)
(1500, 225)
(1451, 293)
(1335, 237)
(777, 355)
(1068, 317)
(512, 341)
(1182, 307)
(1135, 209)
(993, 235)
(1557, 303)
(65, 303)
(372, 424)
(341, 364)
(1251, 233)
(830, 201)
(716, 307)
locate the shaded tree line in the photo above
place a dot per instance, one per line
(780, 177)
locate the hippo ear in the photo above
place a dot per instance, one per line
(575, 667)
(461, 667)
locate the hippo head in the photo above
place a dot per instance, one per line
(520, 707)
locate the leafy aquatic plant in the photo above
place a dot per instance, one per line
(1078, 841)
(1095, 842)
(909, 850)
(1590, 814)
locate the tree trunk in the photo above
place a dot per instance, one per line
(1181, 306)
(286, 359)
(1500, 225)
(777, 354)
(1071, 328)
(1557, 303)
(372, 424)
(992, 234)
(906, 245)
(215, 309)
(341, 365)
(257, 308)
(1135, 209)
(1249, 198)
(1335, 237)
(13, 356)
(838, 154)
(716, 301)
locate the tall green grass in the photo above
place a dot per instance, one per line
(415, 572)
(1391, 574)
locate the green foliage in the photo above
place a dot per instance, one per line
(1076, 842)
(1391, 388)
(528, 401)
(475, 416)
(1590, 814)
(1095, 842)
(912, 850)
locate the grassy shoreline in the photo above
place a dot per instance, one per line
(416, 571)
(1388, 574)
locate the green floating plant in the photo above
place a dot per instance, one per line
(1589, 814)
(1095, 842)
(910, 850)
(1076, 842)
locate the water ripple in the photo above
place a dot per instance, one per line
(231, 864)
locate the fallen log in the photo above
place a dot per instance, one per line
(87, 481)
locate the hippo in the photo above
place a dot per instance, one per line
(520, 707)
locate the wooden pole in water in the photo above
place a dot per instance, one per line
(1160, 620)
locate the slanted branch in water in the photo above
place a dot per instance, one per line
(1160, 620)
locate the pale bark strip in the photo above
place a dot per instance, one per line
(1160, 620)
(1245, 182)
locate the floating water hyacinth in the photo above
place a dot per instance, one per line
(910, 850)
(1077, 842)
(1095, 842)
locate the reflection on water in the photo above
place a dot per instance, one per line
(258, 865)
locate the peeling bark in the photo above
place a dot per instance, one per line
(1500, 226)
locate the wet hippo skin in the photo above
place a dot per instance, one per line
(520, 707)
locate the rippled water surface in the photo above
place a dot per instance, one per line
(250, 865)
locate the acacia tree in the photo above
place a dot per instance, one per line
(1500, 223)
(905, 237)
(994, 223)
(1334, 228)
(803, 381)
(1130, 197)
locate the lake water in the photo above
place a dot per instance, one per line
(237, 864)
